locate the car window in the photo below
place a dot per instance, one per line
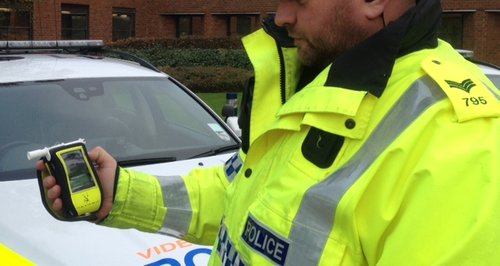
(133, 118)
(495, 79)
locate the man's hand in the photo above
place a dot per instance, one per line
(106, 168)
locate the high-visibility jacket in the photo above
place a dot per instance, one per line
(405, 175)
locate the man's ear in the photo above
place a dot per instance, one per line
(374, 8)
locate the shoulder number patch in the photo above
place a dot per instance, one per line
(469, 96)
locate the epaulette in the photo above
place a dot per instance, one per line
(470, 97)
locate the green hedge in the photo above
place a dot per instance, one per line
(159, 56)
(187, 52)
(182, 43)
(210, 79)
(203, 65)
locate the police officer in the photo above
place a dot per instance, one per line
(366, 141)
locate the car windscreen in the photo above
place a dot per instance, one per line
(137, 120)
(495, 79)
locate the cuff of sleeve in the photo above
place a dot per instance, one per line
(138, 203)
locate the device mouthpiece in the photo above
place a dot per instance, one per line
(37, 154)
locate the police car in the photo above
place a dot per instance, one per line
(58, 91)
(492, 71)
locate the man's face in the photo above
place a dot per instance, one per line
(321, 29)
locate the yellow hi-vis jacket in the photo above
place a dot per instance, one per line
(415, 179)
(416, 182)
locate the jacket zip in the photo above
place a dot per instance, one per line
(282, 74)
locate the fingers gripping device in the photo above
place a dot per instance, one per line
(70, 165)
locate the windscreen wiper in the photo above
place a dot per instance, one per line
(144, 161)
(217, 151)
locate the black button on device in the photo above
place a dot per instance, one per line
(350, 123)
(248, 173)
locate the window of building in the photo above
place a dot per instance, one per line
(239, 24)
(15, 20)
(123, 23)
(243, 25)
(184, 26)
(74, 22)
(4, 22)
(452, 29)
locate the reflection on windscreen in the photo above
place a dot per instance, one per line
(132, 118)
(495, 80)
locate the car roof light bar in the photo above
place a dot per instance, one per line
(62, 44)
(71, 46)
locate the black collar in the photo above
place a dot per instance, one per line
(368, 66)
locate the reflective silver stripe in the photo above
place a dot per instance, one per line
(314, 220)
(176, 199)
(233, 166)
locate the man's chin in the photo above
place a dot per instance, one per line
(307, 58)
(304, 56)
(310, 58)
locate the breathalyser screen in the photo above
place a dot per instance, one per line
(78, 172)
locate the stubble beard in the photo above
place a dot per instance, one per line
(340, 34)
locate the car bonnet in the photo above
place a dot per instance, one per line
(30, 232)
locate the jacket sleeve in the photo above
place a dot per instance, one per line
(188, 207)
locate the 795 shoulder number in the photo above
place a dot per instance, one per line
(474, 101)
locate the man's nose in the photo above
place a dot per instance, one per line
(285, 14)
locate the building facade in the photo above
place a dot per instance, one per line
(472, 25)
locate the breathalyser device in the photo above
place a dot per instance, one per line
(81, 192)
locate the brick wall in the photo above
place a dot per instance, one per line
(157, 18)
(481, 27)
(492, 42)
